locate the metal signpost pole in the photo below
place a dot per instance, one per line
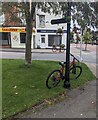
(81, 48)
(60, 21)
(67, 81)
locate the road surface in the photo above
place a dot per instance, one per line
(89, 57)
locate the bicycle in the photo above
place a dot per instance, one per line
(57, 75)
(60, 49)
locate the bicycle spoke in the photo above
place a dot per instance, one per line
(75, 72)
(53, 79)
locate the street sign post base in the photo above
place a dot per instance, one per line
(66, 84)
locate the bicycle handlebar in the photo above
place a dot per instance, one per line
(74, 57)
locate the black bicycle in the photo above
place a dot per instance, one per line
(57, 75)
(58, 49)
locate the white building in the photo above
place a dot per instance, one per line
(43, 36)
(46, 34)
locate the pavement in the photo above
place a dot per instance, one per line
(80, 103)
(91, 50)
(23, 50)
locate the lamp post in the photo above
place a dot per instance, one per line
(67, 67)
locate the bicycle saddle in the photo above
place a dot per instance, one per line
(62, 63)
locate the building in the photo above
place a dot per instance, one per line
(44, 35)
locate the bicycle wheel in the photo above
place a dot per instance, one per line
(53, 49)
(75, 72)
(53, 79)
(62, 50)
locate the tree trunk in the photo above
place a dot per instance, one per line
(29, 14)
(82, 31)
(85, 46)
(28, 55)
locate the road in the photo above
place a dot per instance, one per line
(35, 56)
(89, 57)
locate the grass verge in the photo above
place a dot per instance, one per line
(23, 87)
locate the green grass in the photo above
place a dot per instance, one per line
(24, 86)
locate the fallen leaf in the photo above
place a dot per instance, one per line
(15, 87)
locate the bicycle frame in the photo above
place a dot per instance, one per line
(58, 74)
(72, 64)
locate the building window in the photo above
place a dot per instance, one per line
(42, 38)
(22, 37)
(54, 39)
(0, 38)
(5, 38)
(41, 20)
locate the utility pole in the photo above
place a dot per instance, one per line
(67, 67)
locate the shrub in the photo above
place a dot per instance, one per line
(62, 46)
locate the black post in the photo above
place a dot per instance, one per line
(67, 80)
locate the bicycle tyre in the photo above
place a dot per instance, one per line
(62, 50)
(55, 80)
(53, 49)
(75, 72)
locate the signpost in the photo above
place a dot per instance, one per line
(67, 70)
(60, 21)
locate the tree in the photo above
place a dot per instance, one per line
(29, 15)
(94, 5)
(29, 18)
(72, 36)
(85, 13)
(8, 9)
(87, 37)
(10, 12)
(28, 10)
